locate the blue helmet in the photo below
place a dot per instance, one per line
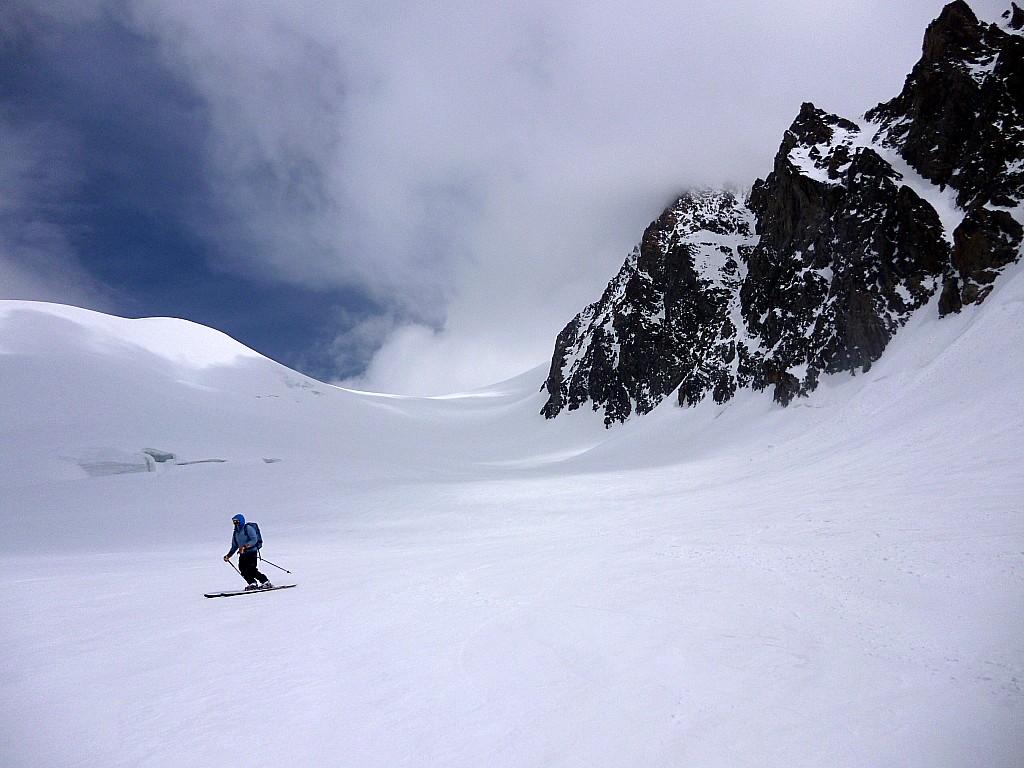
(240, 519)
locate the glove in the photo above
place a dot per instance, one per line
(226, 558)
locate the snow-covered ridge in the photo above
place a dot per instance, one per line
(87, 394)
(179, 341)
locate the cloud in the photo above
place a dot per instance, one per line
(480, 170)
(577, 127)
(37, 263)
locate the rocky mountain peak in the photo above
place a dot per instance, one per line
(958, 119)
(666, 322)
(1015, 18)
(820, 140)
(955, 33)
(858, 226)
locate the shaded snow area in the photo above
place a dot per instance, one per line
(837, 583)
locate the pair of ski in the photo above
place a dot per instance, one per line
(248, 591)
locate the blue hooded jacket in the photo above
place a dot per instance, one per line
(243, 535)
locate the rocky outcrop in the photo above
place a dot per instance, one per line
(958, 119)
(986, 241)
(959, 122)
(846, 252)
(667, 321)
(817, 268)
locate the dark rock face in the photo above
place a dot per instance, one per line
(959, 121)
(984, 243)
(1015, 16)
(823, 262)
(846, 253)
(664, 323)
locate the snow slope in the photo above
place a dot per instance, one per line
(838, 583)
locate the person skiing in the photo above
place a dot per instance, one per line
(243, 539)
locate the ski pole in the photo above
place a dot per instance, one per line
(264, 560)
(233, 566)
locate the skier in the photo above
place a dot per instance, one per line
(244, 540)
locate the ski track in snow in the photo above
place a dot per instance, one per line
(837, 583)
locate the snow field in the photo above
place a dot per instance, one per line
(525, 633)
(838, 583)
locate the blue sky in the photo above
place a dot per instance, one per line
(131, 132)
(415, 195)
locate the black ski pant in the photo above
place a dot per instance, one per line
(247, 567)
